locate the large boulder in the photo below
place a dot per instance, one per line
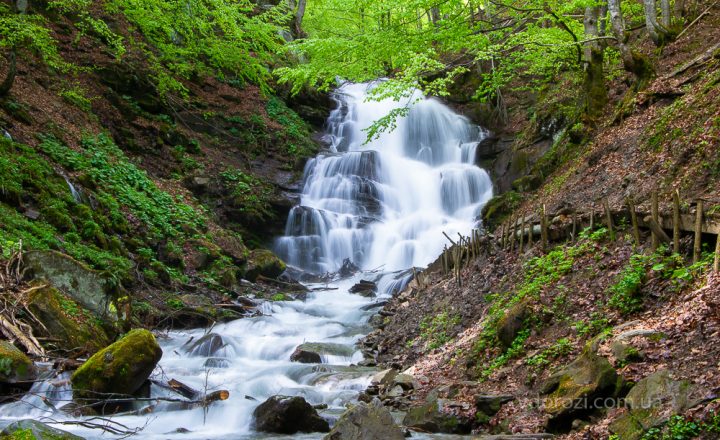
(651, 402)
(510, 325)
(366, 421)
(83, 285)
(572, 390)
(312, 352)
(70, 325)
(14, 365)
(120, 369)
(33, 430)
(288, 415)
(265, 263)
(434, 417)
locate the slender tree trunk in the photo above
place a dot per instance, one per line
(679, 8)
(651, 23)
(435, 15)
(633, 62)
(595, 90)
(665, 13)
(299, 15)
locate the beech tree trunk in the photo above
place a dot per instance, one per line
(595, 90)
(665, 13)
(651, 23)
(633, 62)
(10, 76)
(299, 15)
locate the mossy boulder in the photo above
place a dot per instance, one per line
(287, 415)
(431, 417)
(83, 285)
(14, 365)
(119, 369)
(512, 323)
(651, 402)
(33, 430)
(499, 207)
(574, 389)
(265, 263)
(366, 421)
(74, 328)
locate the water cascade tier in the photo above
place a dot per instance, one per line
(384, 205)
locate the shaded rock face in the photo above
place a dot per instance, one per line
(366, 421)
(14, 365)
(34, 430)
(66, 322)
(312, 352)
(512, 323)
(489, 405)
(431, 417)
(573, 391)
(265, 263)
(84, 285)
(287, 415)
(120, 369)
(651, 402)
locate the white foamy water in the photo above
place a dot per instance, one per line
(383, 205)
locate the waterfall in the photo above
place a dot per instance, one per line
(385, 203)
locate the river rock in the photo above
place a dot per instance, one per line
(14, 365)
(288, 415)
(651, 402)
(119, 369)
(406, 381)
(207, 346)
(33, 430)
(71, 326)
(384, 378)
(312, 352)
(365, 288)
(85, 286)
(510, 325)
(366, 421)
(265, 263)
(489, 405)
(432, 417)
(572, 390)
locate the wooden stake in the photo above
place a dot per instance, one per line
(608, 218)
(634, 220)
(657, 230)
(574, 227)
(655, 217)
(716, 265)
(531, 229)
(592, 218)
(676, 221)
(543, 228)
(513, 232)
(697, 249)
(522, 233)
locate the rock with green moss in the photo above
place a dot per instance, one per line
(510, 325)
(72, 327)
(85, 286)
(651, 402)
(14, 365)
(499, 207)
(432, 417)
(119, 369)
(265, 263)
(575, 388)
(33, 430)
(366, 421)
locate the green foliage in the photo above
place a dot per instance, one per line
(597, 324)
(625, 292)
(175, 303)
(516, 348)
(295, 132)
(680, 428)
(250, 194)
(435, 331)
(541, 360)
(224, 38)
(28, 32)
(76, 96)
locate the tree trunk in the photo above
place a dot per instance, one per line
(651, 21)
(299, 15)
(666, 15)
(679, 8)
(595, 90)
(633, 62)
(10, 77)
(434, 15)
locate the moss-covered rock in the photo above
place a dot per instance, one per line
(74, 327)
(265, 263)
(14, 365)
(510, 325)
(431, 417)
(651, 402)
(498, 208)
(119, 369)
(573, 389)
(85, 286)
(34, 430)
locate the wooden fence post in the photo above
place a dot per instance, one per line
(634, 220)
(697, 249)
(592, 217)
(513, 233)
(522, 233)
(608, 218)
(716, 265)
(543, 228)
(531, 229)
(676, 221)
(574, 226)
(656, 217)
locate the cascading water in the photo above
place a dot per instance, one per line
(384, 205)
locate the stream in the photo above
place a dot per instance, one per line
(383, 205)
